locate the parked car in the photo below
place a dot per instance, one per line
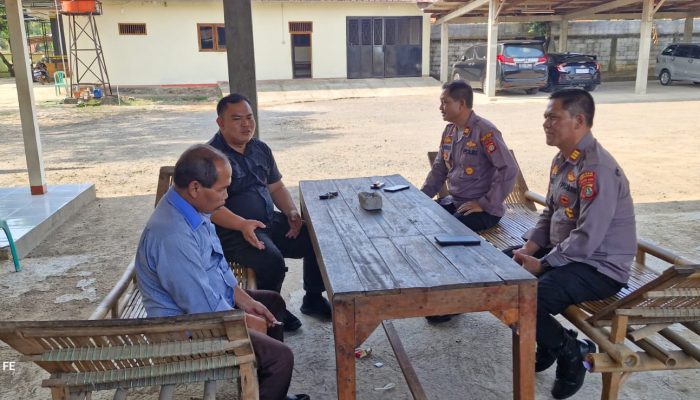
(677, 62)
(520, 64)
(572, 69)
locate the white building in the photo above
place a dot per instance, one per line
(178, 42)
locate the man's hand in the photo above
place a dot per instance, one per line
(259, 310)
(248, 228)
(530, 263)
(469, 207)
(295, 224)
(528, 249)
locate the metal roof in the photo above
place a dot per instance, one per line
(465, 11)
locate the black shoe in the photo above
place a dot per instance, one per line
(316, 305)
(546, 356)
(438, 319)
(291, 322)
(570, 369)
(298, 397)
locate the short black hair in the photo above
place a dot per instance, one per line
(198, 163)
(460, 90)
(233, 98)
(576, 101)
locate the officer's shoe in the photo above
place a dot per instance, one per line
(291, 322)
(546, 356)
(570, 369)
(314, 304)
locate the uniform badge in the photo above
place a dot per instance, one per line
(555, 169)
(570, 176)
(586, 183)
(486, 137)
(471, 144)
(447, 140)
(469, 170)
(569, 212)
(575, 155)
(564, 200)
(467, 131)
(490, 146)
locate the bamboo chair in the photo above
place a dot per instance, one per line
(244, 275)
(521, 213)
(92, 355)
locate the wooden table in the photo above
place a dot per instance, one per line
(385, 265)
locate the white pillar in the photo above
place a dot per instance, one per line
(492, 50)
(563, 35)
(25, 96)
(644, 47)
(444, 53)
(688, 31)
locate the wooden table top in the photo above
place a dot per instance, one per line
(393, 250)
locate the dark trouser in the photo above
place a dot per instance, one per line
(275, 359)
(268, 264)
(560, 287)
(476, 221)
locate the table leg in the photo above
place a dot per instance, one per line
(524, 343)
(344, 333)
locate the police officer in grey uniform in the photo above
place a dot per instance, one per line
(584, 243)
(475, 161)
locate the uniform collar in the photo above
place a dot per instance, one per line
(192, 216)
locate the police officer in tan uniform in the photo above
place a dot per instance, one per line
(584, 243)
(475, 161)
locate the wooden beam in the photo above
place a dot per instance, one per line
(408, 372)
(661, 2)
(595, 10)
(473, 5)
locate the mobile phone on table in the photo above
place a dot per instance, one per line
(396, 188)
(457, 240)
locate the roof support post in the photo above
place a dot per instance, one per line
(492, 50)
(563, 35)
(644, 47)
(688, 31)
(444, 52)
(238, 23)
(25, 96)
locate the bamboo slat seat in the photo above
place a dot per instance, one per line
(244, 275)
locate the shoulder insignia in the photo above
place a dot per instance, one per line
(586, 183)
(570, 176)
(575, 155)
(486, 137)
(469, 170)
(467, 131)
(569, 213)
(555, 169)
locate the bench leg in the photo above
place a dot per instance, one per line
(120, 394)
(209, 390)
(59, 393)
(166, 392)
(249, 382)
(611, 385)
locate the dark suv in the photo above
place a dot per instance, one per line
(520, 64)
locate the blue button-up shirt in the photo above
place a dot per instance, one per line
(251, 172)
(180, 266)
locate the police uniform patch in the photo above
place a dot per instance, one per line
(490, 146)
(564, 200)
(467, 131)
(575, 155)
(555, 169)
(486, 137)
(469, 170)
(471, 144)
(447, 140)
(569, 213)
(570, 176)
(586, 183)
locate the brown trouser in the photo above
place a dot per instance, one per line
(275, 359)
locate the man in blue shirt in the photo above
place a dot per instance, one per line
(267, 236)
(181, 269)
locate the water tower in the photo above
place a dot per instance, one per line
(87, 62)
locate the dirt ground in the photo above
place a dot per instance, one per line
(120, 149)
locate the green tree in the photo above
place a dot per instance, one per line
(541, 30)
(5, 40)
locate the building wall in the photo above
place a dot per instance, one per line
(169, 53)
(616, 43)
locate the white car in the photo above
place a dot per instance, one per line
(678, 62)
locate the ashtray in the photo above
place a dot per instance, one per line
(370, 201)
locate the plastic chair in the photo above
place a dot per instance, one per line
(59, 80)
(13, 249)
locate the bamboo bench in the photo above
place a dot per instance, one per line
(627, 326)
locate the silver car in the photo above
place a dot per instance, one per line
(678, 62)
